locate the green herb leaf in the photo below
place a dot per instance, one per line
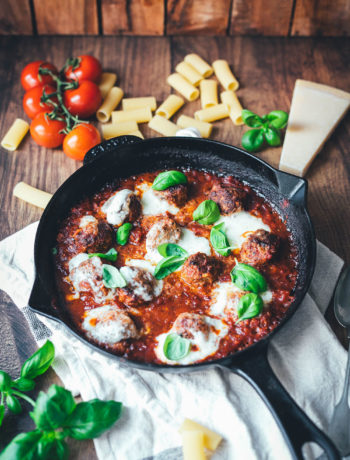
(51, 448)
(23, 384)
(219, 240)
(251, 119)
(167, 266)
(253, 140)
(2, 413)
(22, 447)
(123, 233)
(248, 278)
(52, 408)
(90, 419)
(39, 362)
(171, 249)
(176, 347)
(110, 255)
(168, 179)
(249, 306)
(112, 277)
(13, 404)
(5, 381)
(273, 137)
(277, 119)
(207, 212)
(54, 251)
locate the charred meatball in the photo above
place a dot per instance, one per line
(229, 199)
(141, 287)
(165, 230)
(200, 269)
(177, 194)
(123, 206)
(188, 324)
(93, 235)
(259, 248)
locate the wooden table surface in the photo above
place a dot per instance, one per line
(266, 68)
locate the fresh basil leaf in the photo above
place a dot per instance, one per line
(273, 137)
(171, 249)
(54, 251)
(109, 255)
(251, 119)
(23, 384)
(219, 240)
(248, 278)
(22, 447)
(52, 408)
(167, 266)
(2, 413)
(13, 404)
(253, 140)
(112, 277)
(92, 418)
(206, 213)
(39, 362)
(168, 179)
(123, 233)
(5, 381)
(51, 448)
(249, 306)
(277, 119)
(176, 347)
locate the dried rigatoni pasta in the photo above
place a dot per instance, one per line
(15, 134)
(203, 127)
(233, 105)
(136, 133)
(132, 103)
(211, 439)
(224, 75)
(183, 86)
(31, 195)
(112, 100)
(163, 126)
(190, 73)
(199, 64)
(114, 130)
(171, 105)
(193, 445)
(107, 82)
(209, 93)
(141, 115)
(216, 112)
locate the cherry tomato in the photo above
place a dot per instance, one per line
(30, 77)
(84, 100)
(46, 132)
(80, 140)
(32, 104)
(89, 68)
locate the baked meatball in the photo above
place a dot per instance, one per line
(177, 194)
(86, 276)
(188, 324)
(141, 287)
(123, 206)
(229, 199)
(259, 247)
(200, 269)
(164, 230)
(93, 235)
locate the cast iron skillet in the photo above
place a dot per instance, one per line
(128, 155)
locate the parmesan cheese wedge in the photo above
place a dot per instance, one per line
(211, 439)
(314, 113)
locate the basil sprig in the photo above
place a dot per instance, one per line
(123, 233)
(249, 306)
(167, 266)
(168, 179)
(171, 249)
(176, 347)
(219, 240)
(248, 278)
(112, 278)
(266, 129)
(109, 255)
(207, 212)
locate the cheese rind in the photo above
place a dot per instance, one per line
(211, 439)
(315, 112)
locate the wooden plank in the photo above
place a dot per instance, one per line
(66, 17)
(261, 17)
(321, 17)
(197, 17)
(15, 18)
(132, 17)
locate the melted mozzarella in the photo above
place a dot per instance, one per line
(205, 346)
(117, 207)
(77, 260)
(145, 265)
(238, 223)
(152, 204)
(86, 220)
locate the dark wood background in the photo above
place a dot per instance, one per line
(175, 17)
(266, 68)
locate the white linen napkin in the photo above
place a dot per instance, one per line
(305, 354)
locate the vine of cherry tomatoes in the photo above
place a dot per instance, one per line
(55, 101)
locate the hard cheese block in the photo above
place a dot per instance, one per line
(314, 113)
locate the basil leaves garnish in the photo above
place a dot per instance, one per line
(219, 240)
(112, 277)
(168, 179)
(171, 249)
(111, 255)
(207, 212)
(248, 278)
(167, 266)
(249, 306)
(176, 347)
(123, 233)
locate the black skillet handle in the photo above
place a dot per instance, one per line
(295, 425)
(293, 187)
(109, 146)
(40, 300)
